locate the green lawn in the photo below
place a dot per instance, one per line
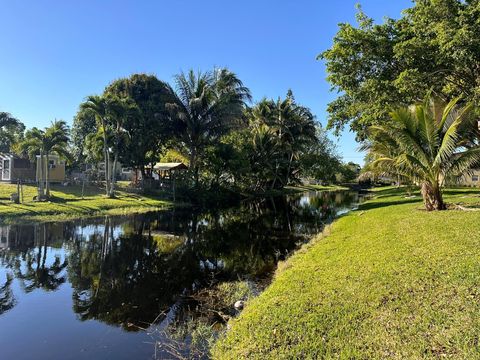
(68, 203)
(389, 281)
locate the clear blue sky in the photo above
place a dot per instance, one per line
(54, 53)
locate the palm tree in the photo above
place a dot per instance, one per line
(99, 105)
(110, 112)
(293, 125)
(120, 109)
(52, 140)
(207, 106)
(426, 143)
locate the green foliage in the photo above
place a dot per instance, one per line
(388, 281)
(84, 125)
(426, 144)
(281, 144)
(207, 106)
(147, 124)
(377, 66)
(11, 132)
(348, 172)
(320, 160)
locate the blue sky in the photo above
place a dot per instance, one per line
(54, 53)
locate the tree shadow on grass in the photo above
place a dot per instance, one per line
(394, 202)
(466, 191)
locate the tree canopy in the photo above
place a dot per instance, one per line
(434, 45)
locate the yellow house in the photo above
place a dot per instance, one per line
(56, 168)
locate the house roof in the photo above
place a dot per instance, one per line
(9, 156)
(170, 166)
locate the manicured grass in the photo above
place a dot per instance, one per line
(388, 281)
(68, 203)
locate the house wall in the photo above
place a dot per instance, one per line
(472, 179)
(121, 172)
(20, 169)
(23, 170)
(56, 174)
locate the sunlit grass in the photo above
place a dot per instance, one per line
(390, 280)
(67, 202)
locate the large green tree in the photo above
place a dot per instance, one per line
(11, 131)
(148, 125)
(84, 124)
(434, 45)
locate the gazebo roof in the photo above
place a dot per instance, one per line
(170, 166)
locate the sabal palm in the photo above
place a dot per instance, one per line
(426, 144)
(207, 106)
(53, 140)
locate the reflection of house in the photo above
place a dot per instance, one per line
(14, 168)
(56, 167)
(12, 236)
(4, 236)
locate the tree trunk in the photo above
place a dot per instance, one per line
(107, 158)
(47, 177)
(112, 183)
(432, 197)
(41, 192)
(193, 165)
(289, 169)
(115, 161)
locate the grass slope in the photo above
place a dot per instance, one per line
(389, 281)
(68, 203)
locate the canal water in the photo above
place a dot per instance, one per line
(128, 287)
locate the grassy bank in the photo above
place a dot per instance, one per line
(388, 281)
(67, 203)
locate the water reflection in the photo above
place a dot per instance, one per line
(125, 271)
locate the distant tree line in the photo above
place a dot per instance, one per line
(206, 120)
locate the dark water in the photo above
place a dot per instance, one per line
(111, 288)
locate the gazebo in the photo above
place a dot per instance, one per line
(167, 173)
(166, 170)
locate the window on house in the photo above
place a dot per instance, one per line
(474, 177)
(126, 170)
